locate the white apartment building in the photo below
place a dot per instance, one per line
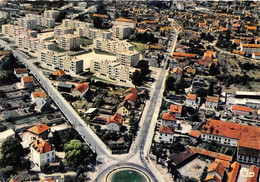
(42, 21)
(112, 70)
(69, 23)
(62, 61)
(120, 31)
(60, 30)
(92, 33)
(125, 22)
(51, 14)
(112, 46)
(250, 48)
(14, 31)
(69, 41)
(27, 22)
(128, 58)
(42, 153)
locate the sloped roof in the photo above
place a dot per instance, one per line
(39, 128)
(175, 109)
(125, 20)
(166, 130)
(218, 167)
(184, 54)
(191, 97)
(131, 97)
(195, 133)
(169, 116)
(41, 146)
(40, 94)
(240, 108)
(27, 79)
(177, 70)
(132, 90)
(212, 177)
(212, 99)
(253, 169)
(233, 172)
(21, 70)
(13, 180)
(59, 73)
(115, 119)
(81, 87)
(124, 104)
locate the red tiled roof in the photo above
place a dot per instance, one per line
(82, 87)
(125, 20)
(256, 53)
(166, 130)
(195, 133)
(5, 52)
(47, 180)
(233, 172)
(131, 97)
(212, 99)
(212, 177)
(13, 180)
(239, 52)
(39, 128)
(115, 119)
(191, 97)
(59, 73)
(177, 70)
(203, 24)
(184, 54)
(240, 108)
(41, 146)
(132, 90)
(175, 109)
(253, 169)
(224, 163)
(218, 167)
(251, 45)
(40, 94)
(21, 70)
(169, 117)
(208, 55)
(99, 15)
(27, 79)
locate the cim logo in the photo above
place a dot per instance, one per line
(246, 173)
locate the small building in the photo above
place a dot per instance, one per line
(192, 101)
(58, 75)
(80, 90)
(21, 72)
(169, 119)
(5, 135)
(177, 73)
(166, 134)
(175, 109)
(65, 87)
(114, 123)
(130, 91)
(216, 172)
(256, 55)
(240, 110)
(211, 102)
(124, 109)
(254, 171)
(131, 99)
(42, 152)
(43, 105)
(37, 95)
(39, 131)
(27, 81)
(233, 172)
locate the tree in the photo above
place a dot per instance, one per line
(56, 140)
(214, 69)
(2, 128)
(211, 88)
(137, 78)
(77, 153)
(169, 83)
(12, 153)
(2, 94)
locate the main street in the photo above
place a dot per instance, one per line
(138, 155)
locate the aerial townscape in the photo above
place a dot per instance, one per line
(129, 91)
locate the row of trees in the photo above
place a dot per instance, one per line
(140, 75)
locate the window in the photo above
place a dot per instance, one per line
(52, 153)
(47, 155)
(160, 138)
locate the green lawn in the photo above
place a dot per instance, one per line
(58, 49)
(97, 51)
(138, 46)
(50, 38)
(86, 41)
(91, 76)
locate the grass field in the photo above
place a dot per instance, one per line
(138, 46)
(86, 41)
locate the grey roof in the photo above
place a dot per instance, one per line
(40, 103)
(66, 85)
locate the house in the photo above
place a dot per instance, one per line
(175, 109)
(65, 87)
(130, 91)
(58, 75)
(169, 119)
(5, 135)
(240, 110)
(114, 123)
(211, 102)
(42, 152)
(177, 73)
(37, 95)
(27, 81)
(216, 172)
(39, 131)
(233, 172)
(254, 171)
(21, 72)
(166, 134)
(124, 109)
(192, 101)
(43, 105)
(80, 90)
(131, 99)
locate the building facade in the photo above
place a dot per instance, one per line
(128, 58)
(120, 31)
